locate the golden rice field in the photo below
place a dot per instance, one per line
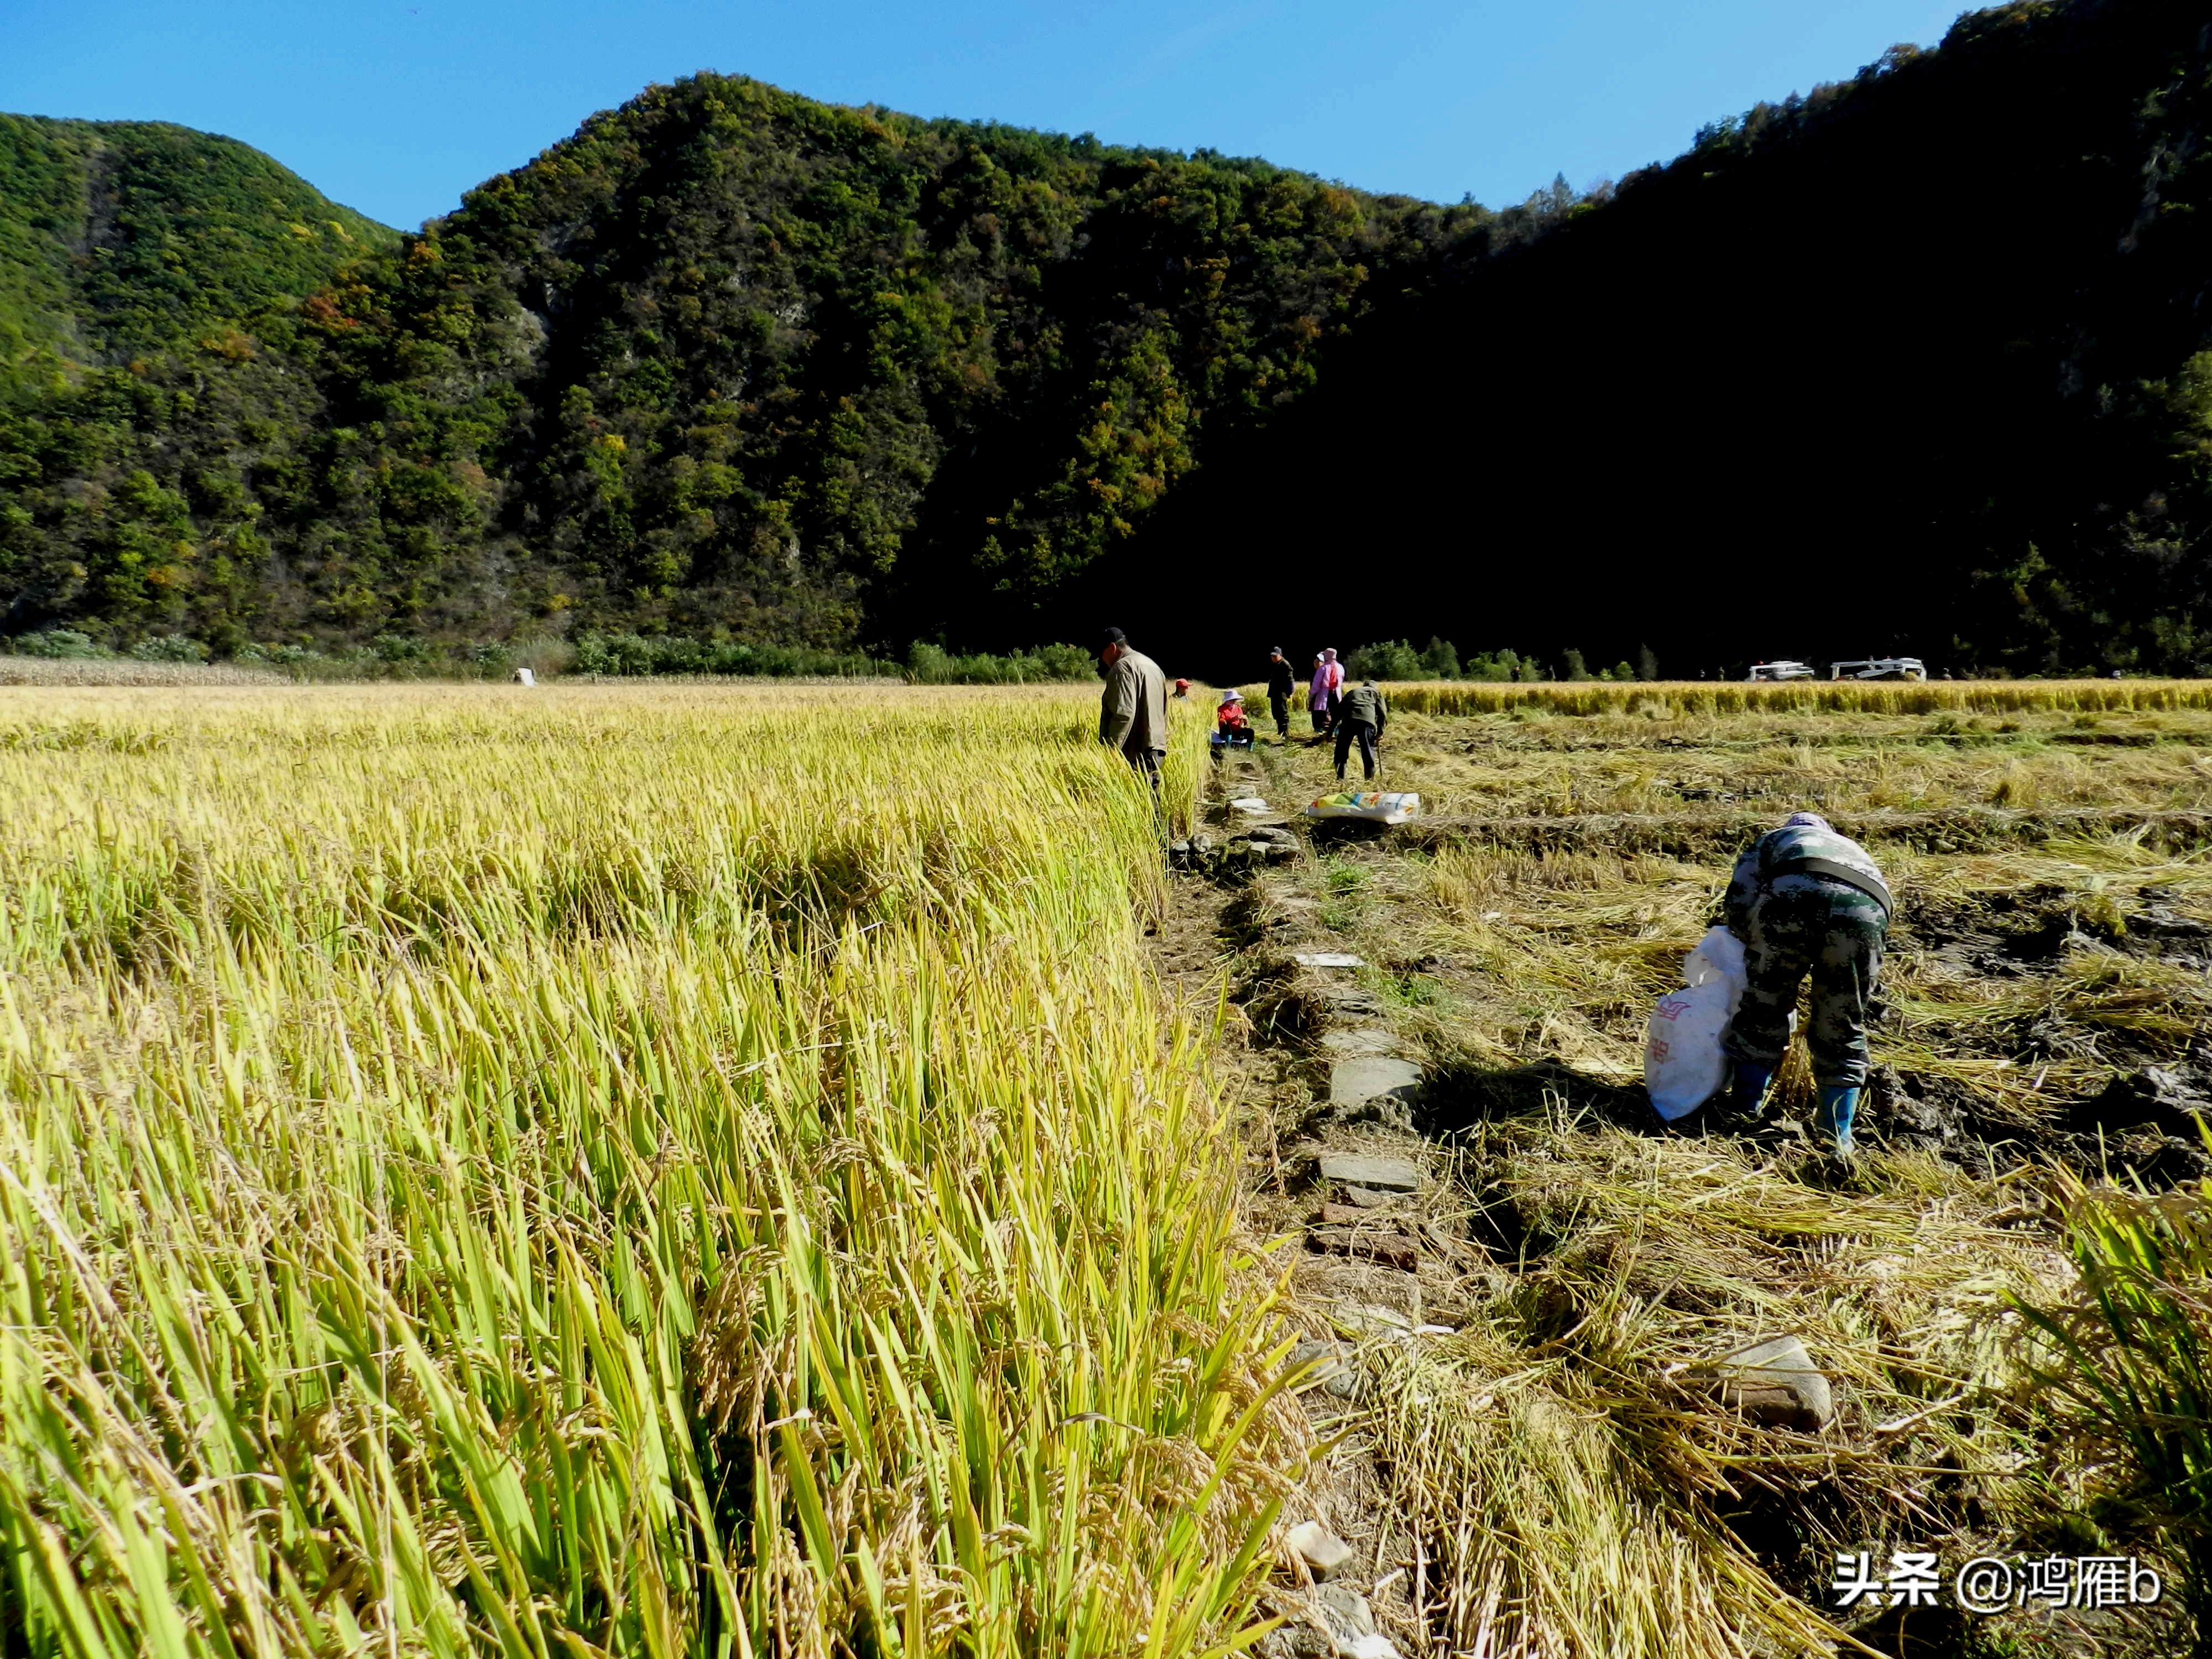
(609, 1172)
(1671, 699)
(710, 1169)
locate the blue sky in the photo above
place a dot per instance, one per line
(396, 109)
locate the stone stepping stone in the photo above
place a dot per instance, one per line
(1353, 1002)
(1350, 1623)
(1324, 1553)
(1775, 1382)
(1365, 1079)
(1332, 1373)
(1396, 1250)
(1384, 1175)
(1327, 959)
(1366, 1041)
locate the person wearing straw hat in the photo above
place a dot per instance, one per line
(1806, 901)
(1232, 725)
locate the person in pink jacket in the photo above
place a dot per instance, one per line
(1317, 696)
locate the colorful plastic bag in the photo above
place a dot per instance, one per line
(1394, 807)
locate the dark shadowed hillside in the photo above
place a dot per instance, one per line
(1911, 363)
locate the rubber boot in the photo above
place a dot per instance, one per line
(1754, 1083)
(1840, 1104)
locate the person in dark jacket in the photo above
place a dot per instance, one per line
(1282, 680)
(1360, 717)
(1806, 900)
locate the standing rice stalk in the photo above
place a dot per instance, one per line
(609, 1172)
(1674, 700)
(2130, 1365)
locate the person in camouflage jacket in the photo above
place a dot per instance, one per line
(1806, 900)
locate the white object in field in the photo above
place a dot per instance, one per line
(1393, 807)
(1879, 668)
(1327, 959)
(523, 676)
(1251, 804)
(1684, 1065)
(1324, 1553)
(1783, 668)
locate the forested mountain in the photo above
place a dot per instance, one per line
(728, 359)
(121, 237)
(1913, 360)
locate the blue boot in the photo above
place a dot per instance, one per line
(1755, 1081)
(1840, 1104)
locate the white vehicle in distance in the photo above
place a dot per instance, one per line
(1879, 668)
(1781, 669)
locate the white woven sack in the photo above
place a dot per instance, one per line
(1684, 1063)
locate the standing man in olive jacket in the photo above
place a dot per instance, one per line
(1282, 680)
(1133, 713)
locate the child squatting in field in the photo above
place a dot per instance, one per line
(1805, 899)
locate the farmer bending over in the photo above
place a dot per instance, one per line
(1360, 718)
(1806, 900)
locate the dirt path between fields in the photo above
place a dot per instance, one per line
(1387, 1266)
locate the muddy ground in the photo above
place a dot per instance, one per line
(1506, 1361)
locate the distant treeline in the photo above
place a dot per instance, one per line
(1397, 659)
(924, 664)
(392, 655)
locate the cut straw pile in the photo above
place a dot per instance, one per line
(1587, 1497)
